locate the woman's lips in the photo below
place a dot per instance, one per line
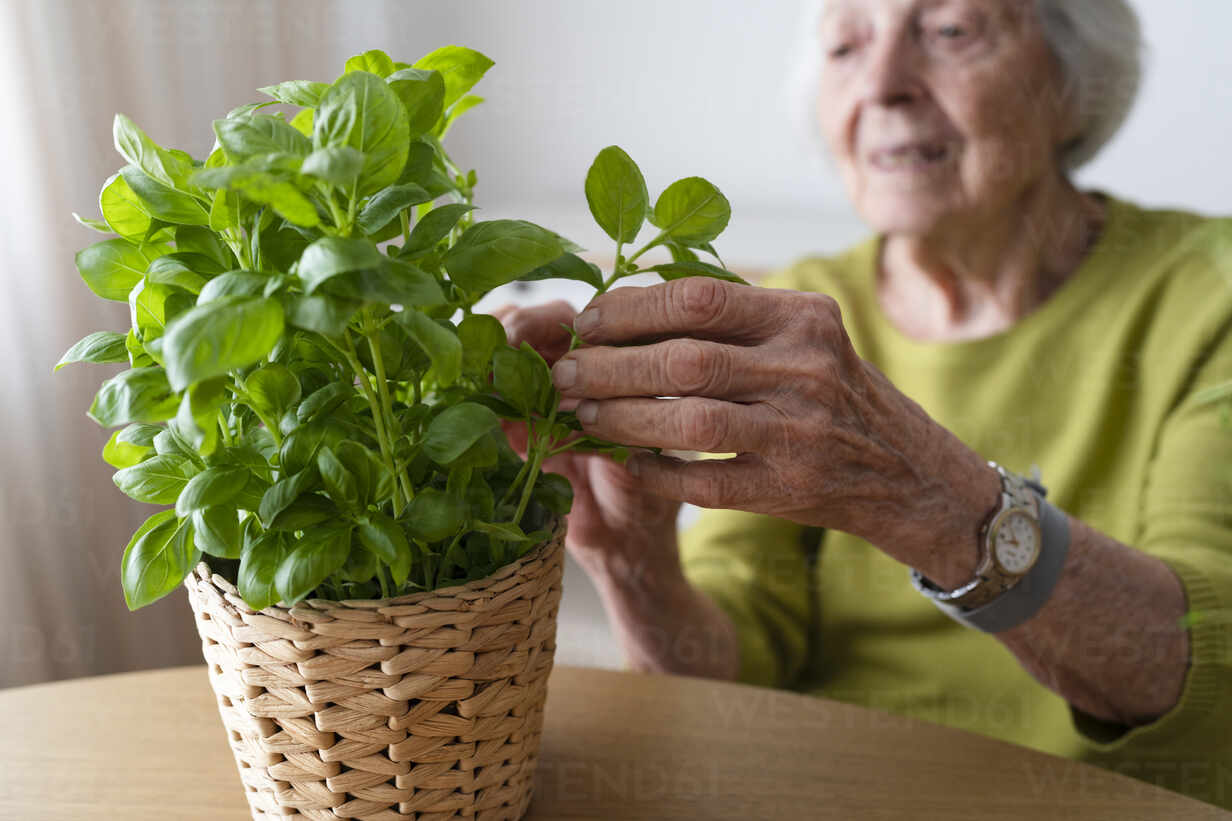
(914, 156)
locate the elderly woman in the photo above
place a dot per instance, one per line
(867, 548)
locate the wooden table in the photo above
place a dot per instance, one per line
(150, 745)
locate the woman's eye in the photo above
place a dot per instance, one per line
(952, 32)
(838, 52)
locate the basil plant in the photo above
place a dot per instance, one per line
(310, 392)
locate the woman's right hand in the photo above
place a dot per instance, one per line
(615, 527)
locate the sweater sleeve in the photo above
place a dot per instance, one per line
(1187, 523)
(757, 569)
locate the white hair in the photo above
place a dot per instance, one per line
(1098, 44)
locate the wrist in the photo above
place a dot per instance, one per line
(650, 572)
(953, 551)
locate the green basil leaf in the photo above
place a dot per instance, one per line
(183, 270)
(523, 379)
(167, 167)
(121, 454)
(505, 531)
(306, 511)
(461, 68)
(283, 492)
(440, 343)
(198, 414)
(330, 256)
(403, 358)
(195, 244)
(93, 224)
(156, 561)
(123, 209)
(258, 565)
(157, 481)
(232, 284)
(216, 530)
(386, 204)
(272, 389)
(360, 566)
(319, 553)
(681, 253)
(147, 304)
(326, 314)
(692, 211)
(393, 282)
(212, 339)
(112, 267)
(370, 472)
(480, 335)
(339, 164)
(342, 485)
(374, 61)
(244, 137)
(422, 92)
(434, 227)
(139, 395)
(434, 515)
(99, 347)
(226, 210)
(679, 270)
(616, 193)
(162, 201)
(212, 486)
(455, 429)
(140, 435)
(323, 401)
(297, 92)
(290, 203)
(554, 492)
(492, 253)
(361, 111)
(137, 355)
(568, 266)
(384, 537)
(498, 406)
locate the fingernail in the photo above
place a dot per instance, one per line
(586, 321)
(588, 411)
(564, 374)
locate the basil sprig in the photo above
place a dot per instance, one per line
(309, 391)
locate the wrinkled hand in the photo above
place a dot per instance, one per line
(613, 517)
(822, 437)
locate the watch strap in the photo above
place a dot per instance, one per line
(1022, 601)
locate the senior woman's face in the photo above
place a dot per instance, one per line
(937, 109)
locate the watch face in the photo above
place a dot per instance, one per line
(1018, 542)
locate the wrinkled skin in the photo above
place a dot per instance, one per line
(821, 436)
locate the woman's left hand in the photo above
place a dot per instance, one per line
(822, 437)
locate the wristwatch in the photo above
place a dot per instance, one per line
(1023, 541)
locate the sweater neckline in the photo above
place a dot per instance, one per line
(1071, 294)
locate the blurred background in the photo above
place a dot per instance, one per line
(687, 87)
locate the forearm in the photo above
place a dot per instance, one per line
(666, 625)
(1110, 640)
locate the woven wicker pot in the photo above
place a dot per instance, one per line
(426, 706)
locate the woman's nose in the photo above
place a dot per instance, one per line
(892, 73)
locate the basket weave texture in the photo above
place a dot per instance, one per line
(426, 706)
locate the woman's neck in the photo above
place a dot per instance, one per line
(977, 277)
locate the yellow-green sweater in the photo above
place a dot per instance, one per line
(1098, 386)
